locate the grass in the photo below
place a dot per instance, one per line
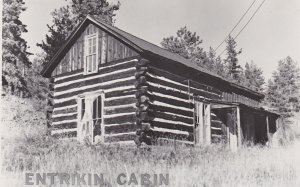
(26, 148)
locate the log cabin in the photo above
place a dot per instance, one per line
(107, 85)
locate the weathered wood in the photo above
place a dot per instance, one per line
(139, 110)
(207, 124)
(172, 110)
(182, 80)
(173, 101)
(173, 117)
(119, 110)
(122, 128)
(142, 91)
(173, 125)
(183, 88)
(118, 119)
(109, 77)
(200, 122)
(104, 87)
(174, 136)
(118, 93)
(268, 128)
(239, 129)
(121, 101)
(142, 62)
(57, 119)
(140, 73)
(141, 81)
(119, 138)
(146, 116)
(70, 125)
(66, 103)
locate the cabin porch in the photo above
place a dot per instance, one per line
(234, 124)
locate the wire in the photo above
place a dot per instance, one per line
(236, 24)
(246, 23)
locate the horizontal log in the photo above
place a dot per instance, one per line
(102, 79)
(66, 134)
(217, 131)
(65, 103)
(130, 127)
(101, 87)
(119, 110)
(123, 137)
(106, 68)
(174, 117)
(206, 94)
(175, 93)
(182, 80)
(172, 125)
(65, 126)
(67, 110)
(120, 119)
(57, 119)
(174, 136)
(121, 101)
(172, 101)
(117, 93)
(161, 108)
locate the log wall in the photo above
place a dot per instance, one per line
(165, 102)
(116, 79)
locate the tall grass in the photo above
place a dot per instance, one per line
(26, 148)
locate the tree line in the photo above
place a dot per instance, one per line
(21, 77)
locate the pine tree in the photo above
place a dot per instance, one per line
(67, 17)
(14, 55)
(253, 77)
(186, 44)
(233, 68)
(283, 90)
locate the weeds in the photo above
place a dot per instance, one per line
(26, 148)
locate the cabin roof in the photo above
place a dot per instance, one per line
(140, 45)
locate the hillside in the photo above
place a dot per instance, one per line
(26, 148)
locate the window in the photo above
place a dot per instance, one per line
(91, 53)
(90, 117)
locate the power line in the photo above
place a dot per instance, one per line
(236, 24)
(246, 23)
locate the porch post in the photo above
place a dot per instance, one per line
(201, 126)
(238, 123)
(207, 125)
(268, 128)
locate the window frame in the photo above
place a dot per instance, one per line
(82, 97)
(86, 53)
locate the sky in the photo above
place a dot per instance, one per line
(272, 34)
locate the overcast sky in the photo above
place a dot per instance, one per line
(273, 33)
